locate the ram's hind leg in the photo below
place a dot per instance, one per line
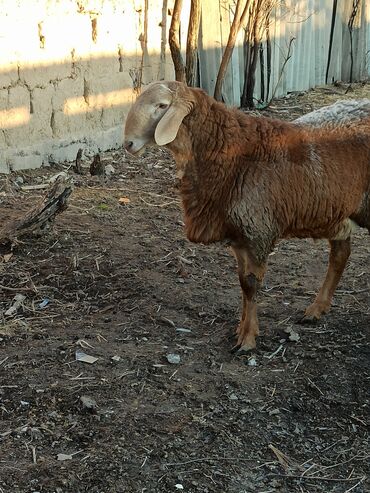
(250, 277)
(339, 252)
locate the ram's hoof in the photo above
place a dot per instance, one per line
(235, 349)
(308, 319)
(245, 350)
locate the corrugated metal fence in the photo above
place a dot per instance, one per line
(309, 26)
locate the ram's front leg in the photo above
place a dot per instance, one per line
(250, 277)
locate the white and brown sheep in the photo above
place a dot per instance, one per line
(250, 181)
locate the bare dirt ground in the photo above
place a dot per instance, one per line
(119, 281)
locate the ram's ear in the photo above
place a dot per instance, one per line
(169, 124)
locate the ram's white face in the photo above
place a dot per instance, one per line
(144, 115)
(157, 114)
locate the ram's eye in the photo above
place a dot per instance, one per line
(162, 106)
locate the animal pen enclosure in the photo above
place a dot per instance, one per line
(69, 70)
(115, 369)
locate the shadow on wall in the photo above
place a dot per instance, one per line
(70, 69)
(49, 111)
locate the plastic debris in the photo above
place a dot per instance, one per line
(179, 486)
(64, 457)
(68, 456)
(182, 329)
(18, 301)
(124, 200)
(85, 358)
(252, 362)
(116, 358)
(44, 303)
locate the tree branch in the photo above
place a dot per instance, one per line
(174, 42)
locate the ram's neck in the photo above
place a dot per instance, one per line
(214, 147)
(204, 174)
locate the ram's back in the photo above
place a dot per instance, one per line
(310, 180)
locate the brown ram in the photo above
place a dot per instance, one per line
(250, 181)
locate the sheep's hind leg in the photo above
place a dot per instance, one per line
(250, 277)
(339, 252)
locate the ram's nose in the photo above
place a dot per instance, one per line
(128, 145)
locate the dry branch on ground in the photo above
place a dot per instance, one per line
(39, 217)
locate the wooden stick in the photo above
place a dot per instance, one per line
(37, 218)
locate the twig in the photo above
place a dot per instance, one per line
(7, 288)
(275, 352)
(316, 387)
(34, 459)
(340, 463)
(126, 189)
(318, 478)
(206, 459)
(355, 485)
(78, 167)
(287, 58)
(284, 460)
(159, 205)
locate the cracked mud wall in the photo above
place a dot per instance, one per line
(69, 71)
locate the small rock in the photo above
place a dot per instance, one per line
(109, 170)
(292, 334)
(174, 359)
(294, 337)
(19, 181)
(88, 402)
(54, 178)
(179, 486)
(116, 358)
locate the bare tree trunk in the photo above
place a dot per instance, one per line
(237, 24)
(174, 42)
(268, 56)
(355, 7)
(192, 43)
(262, 65)
(251, 76)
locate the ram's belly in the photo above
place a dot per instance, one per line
(340, 230)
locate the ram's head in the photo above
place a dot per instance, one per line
(156, 115)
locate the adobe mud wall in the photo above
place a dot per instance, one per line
(69, 70)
